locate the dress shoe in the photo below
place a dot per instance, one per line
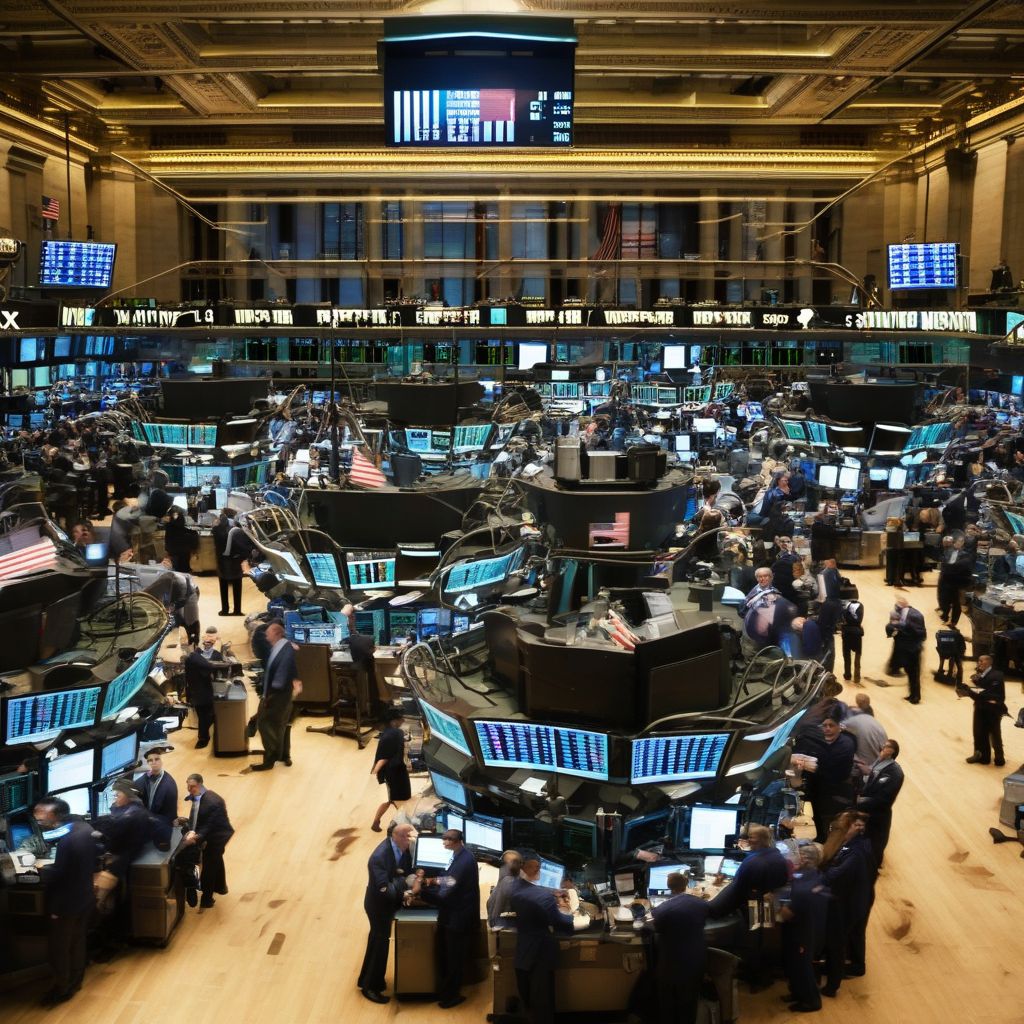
(1000, 837)
(977, 759)
(262, 767)
(192, 896)
(447, 1004)
(827, 990)
(202, 743)
(375, 997)
(55, 998)
(206, 902)
(912, 700)
(999, 762)
(854, 972)
(287, 762)
(803, 1008)
(224, 612)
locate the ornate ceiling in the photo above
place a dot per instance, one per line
(197, 78)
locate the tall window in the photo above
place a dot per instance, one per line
(342, 231)
(450, 233)
(530, 241)
(391, 230)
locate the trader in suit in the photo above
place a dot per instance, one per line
(200, 671)
(759, 591)
(69, 897)
(681, 952)
(539, 918)
(456, 894)
(878, 794)
(803, 930)
(989, 696)
(281, 686)
(906, 627)
(159, 794)
(389, 868)
(209, 832)
(762, 871)
(956, 571)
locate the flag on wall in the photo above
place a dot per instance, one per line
(50, 209)
(611, 236)
(364, 473)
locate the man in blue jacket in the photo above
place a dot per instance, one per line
(538, 921)
(681, 952)
(69, 897)
(281, 684)
(456, 894)
(389, 868)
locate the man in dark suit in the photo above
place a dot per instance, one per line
(989, 696)
(69, 897)
(881, 787)
(539, 919)
(209, 832)
(762, 871)
(159, 794)
(456, 894)
(803, 930)
(200, 671)
(956, 571)
(906, 627)
(389, 867)
(681, 952)
(281, 685)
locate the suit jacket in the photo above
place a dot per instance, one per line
(679, 925)
(281, 671)
(126, 830)
(458, 896)
(880, 789)
(69, 880)
(760, 872)
(538, 921)
(385, 883)
(164, 804)
(910, 635)
(992, 687)
(199, 674)
(212, 824)
(851, 877)
(809, 897)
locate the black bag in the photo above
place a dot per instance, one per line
(251, 725)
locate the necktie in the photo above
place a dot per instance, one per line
(195, 813)
(152, 791)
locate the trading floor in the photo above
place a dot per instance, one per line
(944, 941)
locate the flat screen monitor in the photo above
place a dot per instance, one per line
(674, 357)
(70, 770)
(705, 424)
(817, 433)
(649, 828)
(62, 347)
(116, 755)
(1016, 383)
(919, 265)
(450, 790)
(897, 478)
(828, 476)
(446, 728)
(478, 83)
(482, 572)
(657, 877)
(123, 687)
(323, 567)
(401, 625)
(485, 833)
(849, 479)
(64, 264)
(889, 439)
(372, 622)
(531, 353)
(433, 622)
(579, 836)
(682, 442)
(16, 791)
(370, 570)
(431, 853)
(470, 438)
(547, 747)
(454, 819)
(794, 430)
(850, 439)
(711, 826)
(79, 801)
(551, 874)
(677, 758)
(878, 474)
(181, 501)
(42, 716)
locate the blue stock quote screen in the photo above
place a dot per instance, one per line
(545, 747)
(676, 758)
(44, 715)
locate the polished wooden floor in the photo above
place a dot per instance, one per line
(945, 943)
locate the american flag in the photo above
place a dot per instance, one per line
(611, 237)
(41, 555)
(50, 209)
(364, 473)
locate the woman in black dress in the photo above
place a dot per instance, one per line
(389, 765)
